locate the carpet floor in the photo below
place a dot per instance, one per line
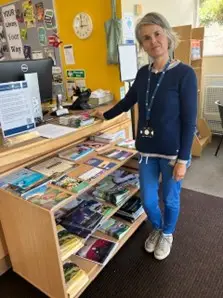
(194, 268)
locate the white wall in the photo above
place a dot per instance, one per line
(177, 12)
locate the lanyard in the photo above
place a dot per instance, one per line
(149, 105)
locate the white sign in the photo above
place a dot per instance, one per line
(69, 54)
(127, 54)
(16, 113)
(12, 32)
(128, 28)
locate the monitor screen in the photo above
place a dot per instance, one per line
(14, 70)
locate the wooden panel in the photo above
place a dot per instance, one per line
(198, 72)
(184, 32)
(30, 234)
(183, 52)
(198, 33)
(203, 128)
(3, 247)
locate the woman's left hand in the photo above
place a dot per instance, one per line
(179, 171)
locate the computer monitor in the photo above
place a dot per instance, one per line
(14, 70)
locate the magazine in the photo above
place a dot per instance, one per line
(23, 179)
(52, 166)
(76, 152)
(100, 163)
(97, 250)
(91, 174)
(127, 143)
(114, 228)
(97, 146)
(118, 154)
(45, 196)
(68, 242)
(75, 277)
(71, 184)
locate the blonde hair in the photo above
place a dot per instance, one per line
(154, 18)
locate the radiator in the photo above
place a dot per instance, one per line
(213, 91)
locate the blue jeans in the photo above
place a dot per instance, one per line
(149, 170)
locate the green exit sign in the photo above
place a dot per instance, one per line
(76, 74)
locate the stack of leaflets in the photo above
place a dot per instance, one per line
(45, 196)
(131, 210)
(125, 178)
(70, 184)
(97, 250)
(95, 205)
(53, 165)
(82, 221)
(76, 121)
(87, 200)
(76, 152)
(108, 137)
(22, 180)
(100, 163)
(127, 143)
(114, 228)
(97, 146)
(116, 195)
(91, 174)
(118, 154)
(69, 243)
(75, 278)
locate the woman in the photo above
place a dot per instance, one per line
(166, 93)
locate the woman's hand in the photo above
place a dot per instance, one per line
(98, 114)
(179, 171)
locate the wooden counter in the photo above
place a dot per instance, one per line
(28, 152)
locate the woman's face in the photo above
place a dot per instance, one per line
(154, 40)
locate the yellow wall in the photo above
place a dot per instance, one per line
(90, 54)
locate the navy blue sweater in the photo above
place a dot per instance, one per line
(174, 111)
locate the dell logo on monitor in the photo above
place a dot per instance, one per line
(24, 67)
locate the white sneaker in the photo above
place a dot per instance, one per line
(163, 247)
(152, 240)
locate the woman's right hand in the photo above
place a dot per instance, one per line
(98, 114)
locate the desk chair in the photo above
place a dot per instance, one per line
(220, 107)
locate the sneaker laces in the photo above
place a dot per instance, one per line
(163, 240)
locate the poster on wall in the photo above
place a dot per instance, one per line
(50, 53)
(128, 28)
(12, 32)
(37, 54)
(23, 32)
(39, 12)
(29, 16)
(48, 19)
(42, 36)
(19, 16)
(27, 52)
(69, 54)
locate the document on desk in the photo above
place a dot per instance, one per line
(16, 112)
(52, 131)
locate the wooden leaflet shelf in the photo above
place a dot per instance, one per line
(183, 53)
(30, 230)
(93, 269)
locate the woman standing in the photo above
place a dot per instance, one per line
(166, 93)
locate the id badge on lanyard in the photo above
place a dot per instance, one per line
(147, 131)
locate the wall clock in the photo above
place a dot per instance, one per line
(82, 25)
